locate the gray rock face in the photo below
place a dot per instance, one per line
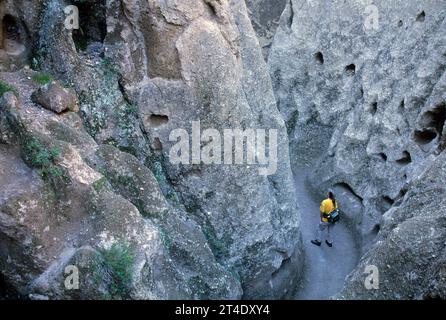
(237, 95)
(410, 250)
(140, 71)
(265, 17)
(59, 212)
(362, 89)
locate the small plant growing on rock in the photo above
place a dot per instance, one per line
(164, 239)
(114, 265)
(99, 184)
(217, 246)
(41, 78)
(6, 87)
(42, 158)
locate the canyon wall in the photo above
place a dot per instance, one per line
(361, 86)
(90, 181)
(355, 90)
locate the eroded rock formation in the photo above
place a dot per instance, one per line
(265, 17)
(96, 186)
(355, 89)
(361, 86)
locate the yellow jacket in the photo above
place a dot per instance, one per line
(327, 207)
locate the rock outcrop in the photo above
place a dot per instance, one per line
(361, 86)
(70, 211)
(265, 17)
(54, 97)
(103, 187)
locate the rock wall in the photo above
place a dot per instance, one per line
(361, 86)
(103, 187)
(265, 17)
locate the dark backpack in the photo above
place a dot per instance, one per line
(334, 216)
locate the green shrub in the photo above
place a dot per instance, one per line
(41, 78)
(115, 266)
(99, 184)
(217, 246)
(38, 156)
(164, 239)
(6, 87)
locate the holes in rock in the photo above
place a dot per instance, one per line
(385, 204)
(10, 30)
(402, 193)
(194, 172)
(157, 145)
(424, 137)
(373, 108)
(344, 187)
(319, 57)
(92, 25)
(388, 201)
(209, 194)
(383, 156)
(405, 159)
(14, 42)
(432, 123)
(442, 145)
(376, 229)
(350, 70)
(291, 17)
(157, 120)
(402, 106)
(434, 119)
(421, 16)
(12, 35)
(213, 7)
(400, 23)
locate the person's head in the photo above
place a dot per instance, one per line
(331, 196)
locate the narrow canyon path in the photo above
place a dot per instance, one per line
(325, 268)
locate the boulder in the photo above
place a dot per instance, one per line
(54, 97)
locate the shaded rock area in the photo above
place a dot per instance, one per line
(18, 21)
(265, 17)
(362, 89)
(96, 186)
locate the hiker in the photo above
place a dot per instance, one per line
(329, 216)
